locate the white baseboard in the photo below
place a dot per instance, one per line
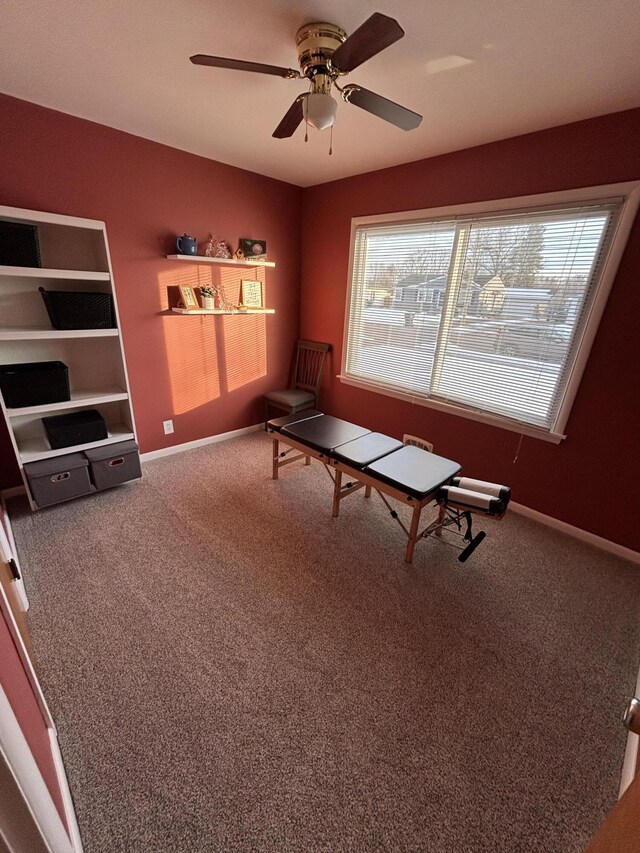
(577, 533)
(199, 442)
(541, 518)
(164, 451)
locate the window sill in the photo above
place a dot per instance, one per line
(451, 409)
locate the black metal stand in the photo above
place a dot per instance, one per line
(454, 517)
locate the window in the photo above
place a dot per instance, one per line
(488, 310)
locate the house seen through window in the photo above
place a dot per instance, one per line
(483, 312)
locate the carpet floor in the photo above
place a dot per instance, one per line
(230, 668)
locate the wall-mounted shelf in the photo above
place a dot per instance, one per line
(202, 259)
(224, 310)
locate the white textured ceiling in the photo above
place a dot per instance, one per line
(528, 65)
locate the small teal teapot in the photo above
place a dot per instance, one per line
(187, 245)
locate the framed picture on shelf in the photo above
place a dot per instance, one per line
(188, 297)
(253, 249)
(251, 294)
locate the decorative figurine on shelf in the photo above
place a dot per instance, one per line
(208, 248)
(239, 255)
(223, 250)
(208, 292)
(223, 302)
(216, 248)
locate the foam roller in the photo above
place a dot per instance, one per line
(494, 489)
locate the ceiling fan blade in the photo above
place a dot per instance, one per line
(241, 65)
(377, 32)
(381, 107)
(291, 120)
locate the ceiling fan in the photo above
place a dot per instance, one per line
(325, 53)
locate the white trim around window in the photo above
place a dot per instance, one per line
(622, 198)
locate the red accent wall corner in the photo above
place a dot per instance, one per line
(207, 374)
(583, 480)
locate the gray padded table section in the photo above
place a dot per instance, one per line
(325, 433)
(413, 470)
(285, 420)
(365, 450)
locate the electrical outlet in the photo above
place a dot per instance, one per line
(168, 427)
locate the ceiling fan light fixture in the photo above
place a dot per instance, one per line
(326, 53)
(319, 110)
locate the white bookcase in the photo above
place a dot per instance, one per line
(74, 256)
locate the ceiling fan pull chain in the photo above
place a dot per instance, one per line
(306, 114)
(330, 140)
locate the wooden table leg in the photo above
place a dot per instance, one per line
(367, 491)
(337, 483)
(441, 516)
(276, 453)
(413, 533)
(307, 460)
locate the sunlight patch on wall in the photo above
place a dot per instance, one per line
(191, 347)
(193, 275)
(245, 348)
(193, 362)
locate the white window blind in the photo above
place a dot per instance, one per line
(485, 312)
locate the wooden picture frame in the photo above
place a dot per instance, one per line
(188, 297)
(251, 293)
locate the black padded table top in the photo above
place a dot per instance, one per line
(366, 449)
(325, 433)
(285, 420)
(413, 470)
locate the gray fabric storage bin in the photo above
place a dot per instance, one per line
(58, 479)
(113, 464)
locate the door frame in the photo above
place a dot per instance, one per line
(630, 764)
(28, 811)
(16, 755)
(8, 551)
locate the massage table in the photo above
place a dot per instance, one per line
(404, 472)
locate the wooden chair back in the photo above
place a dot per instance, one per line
(417, 442)
(308, 365)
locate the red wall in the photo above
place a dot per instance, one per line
(582, 480)
(208, 374)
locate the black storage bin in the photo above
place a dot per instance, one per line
(75, 428)
(113, 464)
(73, 310)
(34, 383)
(19, 246)
(58, 479)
